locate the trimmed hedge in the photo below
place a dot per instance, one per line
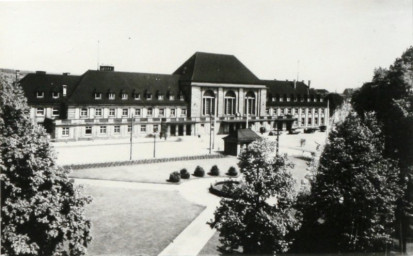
(199, 172)
(184, 174)
(214, 171)
(174, 177)
(232, 171)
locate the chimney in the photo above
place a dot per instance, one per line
(41, 72)
(107, 68)
(309, 83)
(295, 84)
(66, 73)
(64, 90)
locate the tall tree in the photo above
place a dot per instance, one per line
(42, 211)
(354, 193)
(260, 217)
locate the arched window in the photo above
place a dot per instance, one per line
(208, 103)
(250, 103)
(230, 101)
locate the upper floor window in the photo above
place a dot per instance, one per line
(40, 111)
(111, 96)
(173, 112)
(137, 112)
(267, 111)
(55, 111)
(161, 111)
(111, 112)
(137, 96)
(183, 112)
(65, 131)
(274, 112)
(124, 96)
(149, 111)
(98, 96)
(98, 112)
(83, 112)
(208, 103)
(40, 95)
(55, 95)
(181, 97)
(125, 112)
(250, 103)
(230, 101)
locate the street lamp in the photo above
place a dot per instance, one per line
(131, 137)
(154, 144)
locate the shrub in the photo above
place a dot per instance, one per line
(174, 177)
(262, 130)
(184, 174)
(199, 172)
(232, 171)
(214, 171)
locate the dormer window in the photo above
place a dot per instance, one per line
(273, 99)
(160, 97)
(181, 97)
(98, 96)
(171, 97)
(321, 99)
(40, 95)
(148, 96)
(111, 96)
(137, 96)
(281, 99)
(55, 95)
(124, 96)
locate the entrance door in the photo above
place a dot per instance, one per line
(181, 130)
(173, 130)
(188, 129)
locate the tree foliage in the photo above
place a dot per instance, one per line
(259, 219)
(354, 193)
(335, 101)
(42, 211)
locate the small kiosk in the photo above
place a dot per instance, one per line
(236, 140)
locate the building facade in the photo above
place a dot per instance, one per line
(209, 92)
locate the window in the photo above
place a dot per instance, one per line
(64, 90)
(88, 130)
(83, 112)
(302, 121)
(273, 99)
(303, 111)
(65, 131)
(171, 97)
(321, 99)
(111, 96)
(124, 96)
(155, 128)
(274, 113)
(250, 103)
(181, 97)
(183, 112)
(55, 111)
(98, 96)
(129, 128)
(116, 129)
(289, 111)
(98, 112)
(309, 121)
(125, 112)
(149, 111)
(296, 111)
(143, 128)
(103, 129)
(208, 103)
(161, 111)
(230, 101)
(137, 112)
(322, 121)
(173, 112)
(40, 95)
(160, 97)
(316, 121)
(137, 96)
(111, 112)
(55, 95)
(40, 111)
(267, 111)
(149, 96)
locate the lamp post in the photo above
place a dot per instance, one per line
(154, 145)
(131, 137)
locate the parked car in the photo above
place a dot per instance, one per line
(294, 131)
(323, 128)
(310, 130)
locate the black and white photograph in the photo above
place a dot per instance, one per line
(206, 127)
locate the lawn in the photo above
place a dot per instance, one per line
(136, 222)
(153, 173)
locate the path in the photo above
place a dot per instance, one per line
(194, 237)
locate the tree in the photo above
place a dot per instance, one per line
(42, 211)
(260, 217)
(335, 101)
(354, 193)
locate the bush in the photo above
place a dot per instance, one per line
(323, 128)
(214, 171)
(184, 174)
(232, 171)
(174, 177)
(262, 130)
(199, 172)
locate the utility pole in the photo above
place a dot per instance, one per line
(277, 146)
(131, 137)
(246, 99)
(154, 145)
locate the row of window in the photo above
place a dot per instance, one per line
(310, 121)
(136, 96)
(41, 111)
(55, 95)
(125, 112)
(103, 129)
(285, 98)
(294, 111)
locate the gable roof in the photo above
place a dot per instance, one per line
(47, 83)
(106, 82)
(215, 68)
(242, 135)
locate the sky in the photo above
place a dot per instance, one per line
(336, 44)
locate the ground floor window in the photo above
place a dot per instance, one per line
(117, 129)
(155, 128)
(129, 128)
(309, 121)
(322, 120)
(88, 130)
(143, 128)
(302, 121)
(65, 131)
(316, 121)
(103, 129)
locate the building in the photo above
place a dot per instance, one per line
(208, 91)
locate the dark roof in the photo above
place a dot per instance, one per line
(242, 135)
(215, 68)
(106, 82)
(47, 83)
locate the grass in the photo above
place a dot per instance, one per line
(136, 222)
(153, 173)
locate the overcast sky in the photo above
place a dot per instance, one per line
(337, 43)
